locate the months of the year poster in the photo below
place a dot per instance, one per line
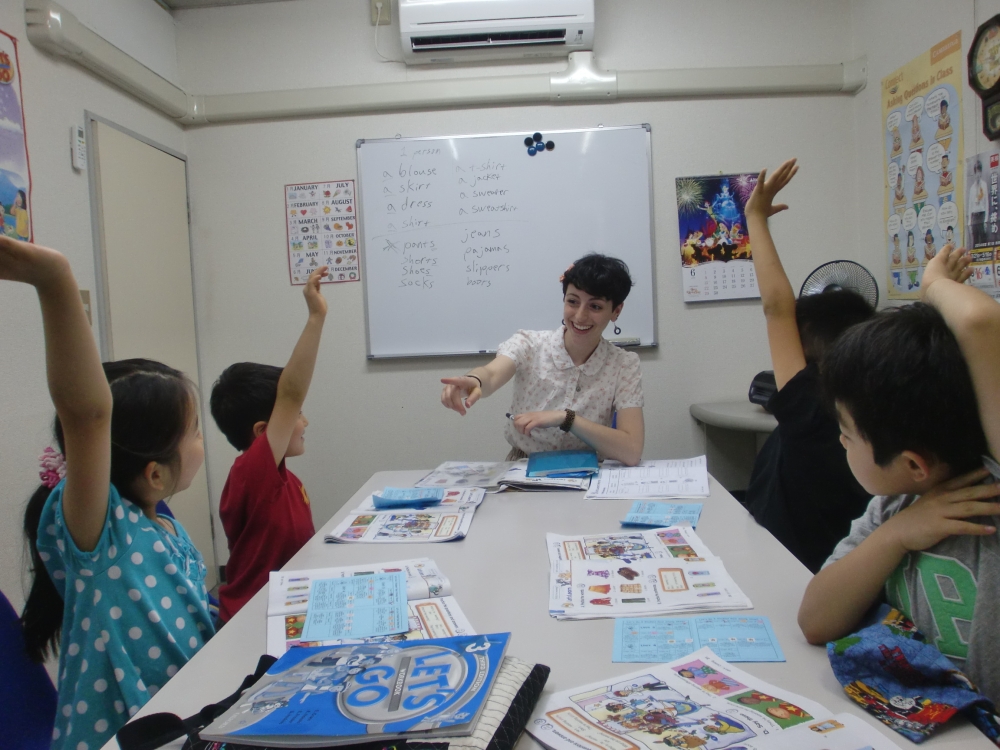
(716, 261)
(322, 230)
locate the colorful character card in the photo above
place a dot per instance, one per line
(322, 231)
(715, 247)
(698, 701)
(15, 175)
(922, 133)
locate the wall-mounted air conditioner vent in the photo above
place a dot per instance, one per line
(439, 31)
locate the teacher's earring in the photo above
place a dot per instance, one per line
(618, 331)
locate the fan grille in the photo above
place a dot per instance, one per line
(842, 274)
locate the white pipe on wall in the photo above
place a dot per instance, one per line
(54, 29)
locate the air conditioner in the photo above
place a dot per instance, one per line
(445, 31)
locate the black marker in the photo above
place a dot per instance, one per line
(510, 416)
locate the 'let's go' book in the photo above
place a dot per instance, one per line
(322, 696)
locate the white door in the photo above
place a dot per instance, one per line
(144, 260)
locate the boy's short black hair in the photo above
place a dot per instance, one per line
(822, 317)
(600, 276)
(904, 381)
(243, 395)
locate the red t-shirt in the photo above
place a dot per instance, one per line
(265, 512)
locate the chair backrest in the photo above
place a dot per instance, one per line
(27, 697)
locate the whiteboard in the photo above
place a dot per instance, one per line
(465, 237)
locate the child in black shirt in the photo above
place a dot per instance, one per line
(801, 489)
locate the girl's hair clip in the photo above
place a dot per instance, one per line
(52, 465)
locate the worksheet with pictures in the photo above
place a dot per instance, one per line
(322, 231)
(716, 261)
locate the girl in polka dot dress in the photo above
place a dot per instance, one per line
(117, 588)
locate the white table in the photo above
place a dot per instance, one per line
(499, 575)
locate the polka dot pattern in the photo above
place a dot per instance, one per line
(546, 378)
(117, 598)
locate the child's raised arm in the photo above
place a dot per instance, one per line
(293, 385)
(974, 318)
(776, 294)
(77, 384)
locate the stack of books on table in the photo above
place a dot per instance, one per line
(463, 688)
(638, 573)
(498, 476)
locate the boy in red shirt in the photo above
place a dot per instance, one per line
(265, 509)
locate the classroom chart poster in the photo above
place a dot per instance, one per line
(716, 262)
(322, 231)
(982, 232)
(922, 136)
(15, 174)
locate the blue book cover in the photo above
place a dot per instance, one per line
(329, 695)
(571, 463)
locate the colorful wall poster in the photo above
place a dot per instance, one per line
(982, 233)
(322, 231)
(922, 120)
(715, 247)
(15, 175)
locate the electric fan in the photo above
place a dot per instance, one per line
(842, 274)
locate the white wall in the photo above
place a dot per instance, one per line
(55, 96)
(366, 416)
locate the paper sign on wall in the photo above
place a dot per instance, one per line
(922, 133)
(15, 177)
(982, 197)
(322, 230)
(715, 247)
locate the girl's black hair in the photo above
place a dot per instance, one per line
(151, 413)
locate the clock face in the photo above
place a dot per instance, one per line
(986, 58)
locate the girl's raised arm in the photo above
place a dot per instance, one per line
(76, 380)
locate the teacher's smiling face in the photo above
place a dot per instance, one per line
(586, 316)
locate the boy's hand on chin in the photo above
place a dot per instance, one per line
(943, 512)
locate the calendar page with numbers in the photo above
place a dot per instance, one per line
(716, 260)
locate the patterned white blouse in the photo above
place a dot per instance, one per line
(546, 378)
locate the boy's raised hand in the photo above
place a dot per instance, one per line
(761, 200)
(28, 263)
(949, 263)
(946, 511)
(314, 297)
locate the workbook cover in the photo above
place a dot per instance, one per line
(323, 696)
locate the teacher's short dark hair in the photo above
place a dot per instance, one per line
(600, 276)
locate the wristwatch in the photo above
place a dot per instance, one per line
(568, 422)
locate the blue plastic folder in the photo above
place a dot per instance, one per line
(571, 463)
(395, 497)
(661, 639)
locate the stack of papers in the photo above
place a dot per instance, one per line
(698, 701)
(650, 480)
(659, 571)
(497, 476)
(431, 610)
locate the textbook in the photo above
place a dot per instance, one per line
(637, 573)
(326, 696)
(569, 463)
(697, 701)
(497, 476)
(403, 526)
(431, 610)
